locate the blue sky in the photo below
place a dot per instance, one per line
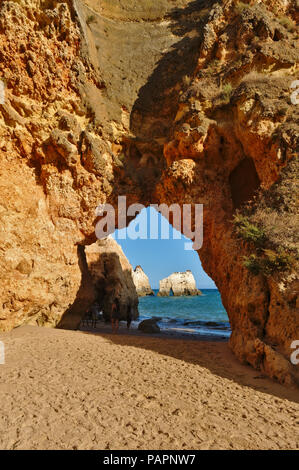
(160, 258)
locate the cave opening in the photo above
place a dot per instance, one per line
(159, 250)
(244, 182)
(179, 294)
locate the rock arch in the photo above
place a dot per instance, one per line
(178, 284)
(197, 69)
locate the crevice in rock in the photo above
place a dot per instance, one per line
(268, 294)
(244, 182)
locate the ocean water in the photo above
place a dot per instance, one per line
(203, 314)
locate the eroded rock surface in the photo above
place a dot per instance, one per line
(178, 284)
(141, 282)
(171, 102)
(112, 277)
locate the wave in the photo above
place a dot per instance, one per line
(196, 315)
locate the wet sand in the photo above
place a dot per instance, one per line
(85, 390)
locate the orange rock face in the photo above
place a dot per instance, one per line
(48, 197)
(112, 277)
(211, 123)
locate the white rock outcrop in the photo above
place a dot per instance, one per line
(180, 284)
(141, 282)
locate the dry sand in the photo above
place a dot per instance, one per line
(79, 390)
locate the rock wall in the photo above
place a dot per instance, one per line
(47, 195)
(141, 282)
(180, 284)
(236, 128)
(193, 106)
(112, 277)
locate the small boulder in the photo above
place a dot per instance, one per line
(149, 326)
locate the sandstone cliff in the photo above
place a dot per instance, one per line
(193, 106)
(179, 284)
(112, 277)
(141, 282)
(109, 275)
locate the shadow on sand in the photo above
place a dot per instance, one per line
(211, 355)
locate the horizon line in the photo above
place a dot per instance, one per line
(206, 288)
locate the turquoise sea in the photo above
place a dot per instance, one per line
(203, 314)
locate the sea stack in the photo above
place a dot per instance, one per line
(141, 282)
(180, 284)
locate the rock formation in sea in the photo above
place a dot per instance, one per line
(141, 282)
(175, 101)
(178, 284)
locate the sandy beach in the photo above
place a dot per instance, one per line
(83, 390)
